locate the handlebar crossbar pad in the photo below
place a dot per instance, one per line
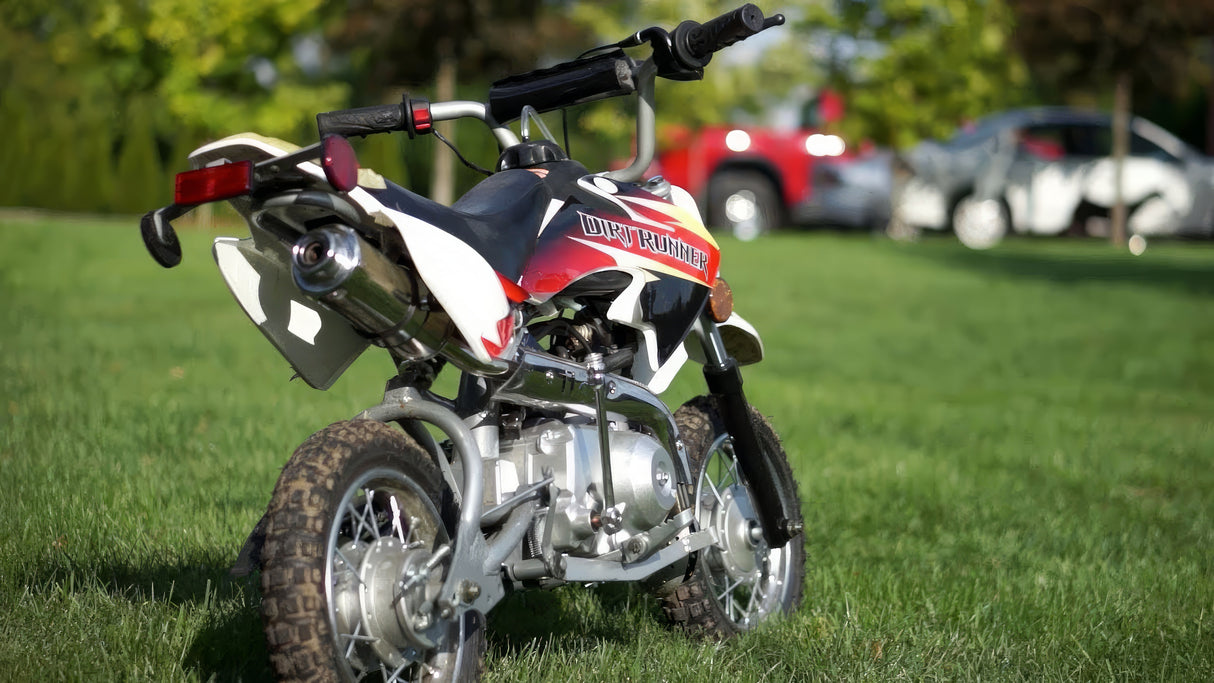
(380, 118)
(564, 85)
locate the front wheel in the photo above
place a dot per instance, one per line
(740, 581)
(352, 563)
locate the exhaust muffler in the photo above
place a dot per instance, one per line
(336, 266)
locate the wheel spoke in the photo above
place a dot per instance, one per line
(395, 675)
(729, 589)
(413, 524)
(349, 566)
(712, 487)
(356, 638)
(361, 530)
(369, 513)
(755, 593)
(734, 477)
(396, 526)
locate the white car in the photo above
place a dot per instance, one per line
(1049, 171)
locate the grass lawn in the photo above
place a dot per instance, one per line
(1006, 458)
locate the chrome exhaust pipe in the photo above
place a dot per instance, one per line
(336, 266)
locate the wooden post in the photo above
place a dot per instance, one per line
(1121, 145)
(442, 183)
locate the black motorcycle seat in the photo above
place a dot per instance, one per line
(499, 218)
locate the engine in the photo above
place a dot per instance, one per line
(643, 476)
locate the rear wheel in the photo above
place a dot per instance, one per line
(351, 567)
(739, 582)
(980, 223)
(743, 202)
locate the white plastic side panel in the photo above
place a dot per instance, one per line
(465, 285)
(659, 380)
(626, 310)
(318, 343)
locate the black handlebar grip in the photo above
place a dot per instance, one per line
(694, 43)
(363, 121)
(564, 85)
(731, 27)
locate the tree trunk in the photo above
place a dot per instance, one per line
(1121, 145)
(1210, 114)
(442, 183)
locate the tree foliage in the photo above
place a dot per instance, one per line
(740, 82)
(913, 69)
(79, 74)
(1082, 45)
(218, 66)
(395, 43)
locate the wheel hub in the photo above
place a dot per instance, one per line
(386, 600)
(740, 546)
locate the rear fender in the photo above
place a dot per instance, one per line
(461, 281)
(318, 343)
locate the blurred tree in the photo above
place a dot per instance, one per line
(744, 81)
(398, 43)
(223, 65)
(57, 117)
(1096, 45)
(142, 179)
(913, 69)
(72, 68)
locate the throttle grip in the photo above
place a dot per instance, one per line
(731, 27)
(694, 43)
(379, 118)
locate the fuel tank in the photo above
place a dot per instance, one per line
(652, 258)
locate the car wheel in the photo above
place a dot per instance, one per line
(743, 202)
(980, 223)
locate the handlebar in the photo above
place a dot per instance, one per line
(681, 55)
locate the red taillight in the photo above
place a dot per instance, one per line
(213, 183)
(340, 163)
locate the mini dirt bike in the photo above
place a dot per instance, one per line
(567, 301)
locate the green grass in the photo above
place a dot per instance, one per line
(1005, 458)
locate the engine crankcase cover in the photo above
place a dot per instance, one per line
(643, 472)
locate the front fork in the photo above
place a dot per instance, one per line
(776, 506)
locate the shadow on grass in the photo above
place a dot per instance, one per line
(572, 618)
(227, 642)
(1037, 260)
(231, 645)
